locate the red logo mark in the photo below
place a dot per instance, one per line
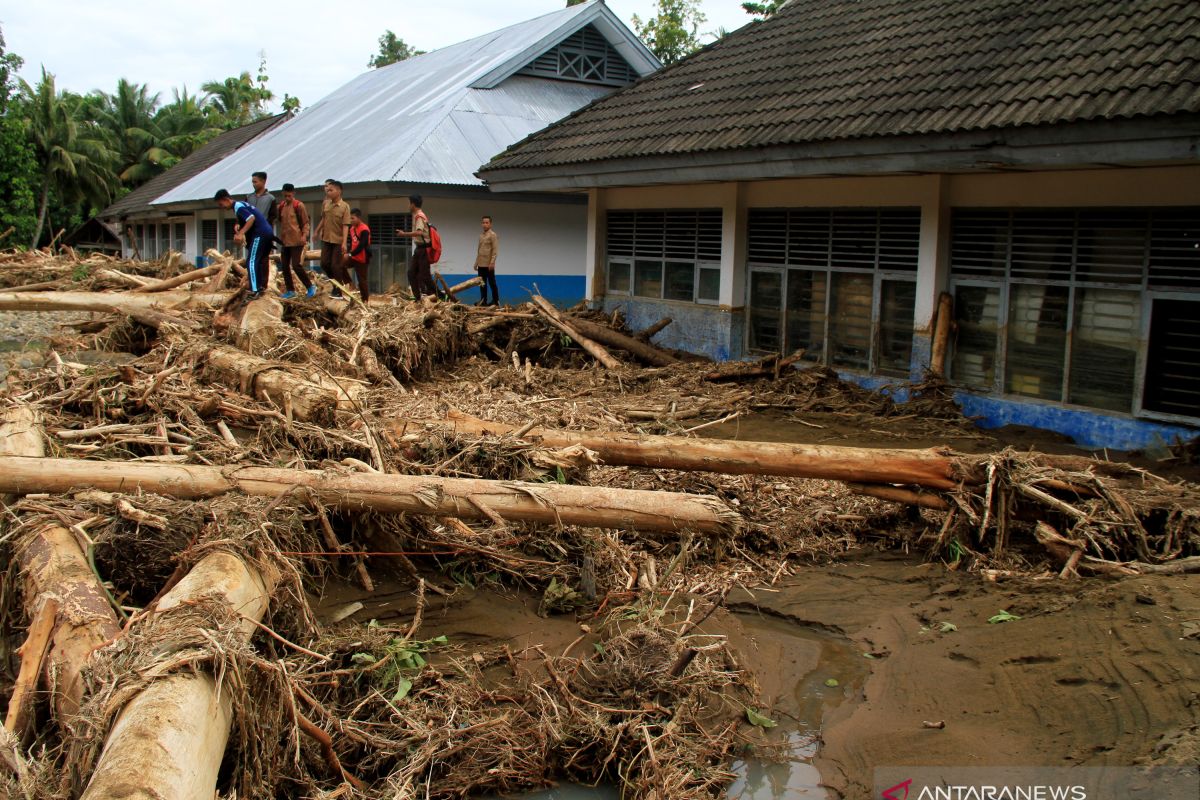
(894, 792)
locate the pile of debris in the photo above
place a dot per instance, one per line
(172, 506)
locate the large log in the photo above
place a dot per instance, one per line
(169, 740)
(466, 498)
(605, 335)
(60, 587)
(258, 328)
(929, 468)
(301, 398)
(105, 301)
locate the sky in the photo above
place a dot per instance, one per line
(311, 48)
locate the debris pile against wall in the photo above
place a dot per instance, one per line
(186, 467)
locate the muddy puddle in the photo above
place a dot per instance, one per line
(803, 671)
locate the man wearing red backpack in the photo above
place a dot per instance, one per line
(420, 280)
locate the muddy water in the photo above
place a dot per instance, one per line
(803, 672)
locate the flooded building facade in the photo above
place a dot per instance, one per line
(817, 181)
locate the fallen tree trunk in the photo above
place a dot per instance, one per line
(61, 590)
(605, 335)
(929, 468)
(465, 498)
(595, 350)
(769, 367)
(297, 397)
(122, 302)
(257, 329)
(169, 740)
(180, 280)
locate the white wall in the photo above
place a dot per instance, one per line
(535, 238)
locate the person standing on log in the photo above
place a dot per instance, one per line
(255, 232)
(292, 228)
(485, 262)
(359, 257)
(261, 199)
(334, 231)
(420, 280)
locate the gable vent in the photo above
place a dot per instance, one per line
(584, 56)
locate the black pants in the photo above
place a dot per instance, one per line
(420, 280)
(258, 262)
(489, 279)
(290, 259)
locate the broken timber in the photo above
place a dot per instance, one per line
(123, 302)
(465, 498)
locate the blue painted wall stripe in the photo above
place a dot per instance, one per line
(561, 290)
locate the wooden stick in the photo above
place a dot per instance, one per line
(601, 333)
(898, 494)
(941, 335)
(33, 655)
(179, 280)
(648, 333)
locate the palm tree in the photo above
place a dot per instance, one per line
(184, 126)
(72, 154)
(129, 116)
(236, 101)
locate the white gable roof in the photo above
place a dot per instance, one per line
(434, 118)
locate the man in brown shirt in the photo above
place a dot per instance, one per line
(292, 230)
(485, 262)
(334, 230)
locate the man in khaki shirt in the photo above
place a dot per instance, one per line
(334, 230)
(292, 230)
(485, 262)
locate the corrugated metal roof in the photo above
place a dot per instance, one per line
(823, 70)
(139, 200)
(417, 120)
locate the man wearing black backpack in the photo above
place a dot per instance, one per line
(420, 280)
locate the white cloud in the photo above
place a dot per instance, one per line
(311, 47)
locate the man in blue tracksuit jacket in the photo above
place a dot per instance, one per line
(256, 233)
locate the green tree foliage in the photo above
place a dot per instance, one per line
(235, 102)
(183, 126)
(765, 9)
(574, 2)
(73, 154)
(391, 50)
(18, 167)
(674, 32)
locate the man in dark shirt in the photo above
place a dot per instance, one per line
(254, 231)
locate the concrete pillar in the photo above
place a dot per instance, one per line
(733, 245)
(933, 268)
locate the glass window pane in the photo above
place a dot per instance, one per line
(710, 285)
(806, 313)
(618, 277)
(647, 278)
(1108, 326)
(1037, 340)
(897, 305)
(850, 320)
(766, 300)
(976, 318)
(681, 281)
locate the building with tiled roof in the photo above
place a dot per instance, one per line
(817, 181)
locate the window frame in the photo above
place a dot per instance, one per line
(1147, 290)
(881, 270)
(699, 260)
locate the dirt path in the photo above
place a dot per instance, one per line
(1093, 673)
